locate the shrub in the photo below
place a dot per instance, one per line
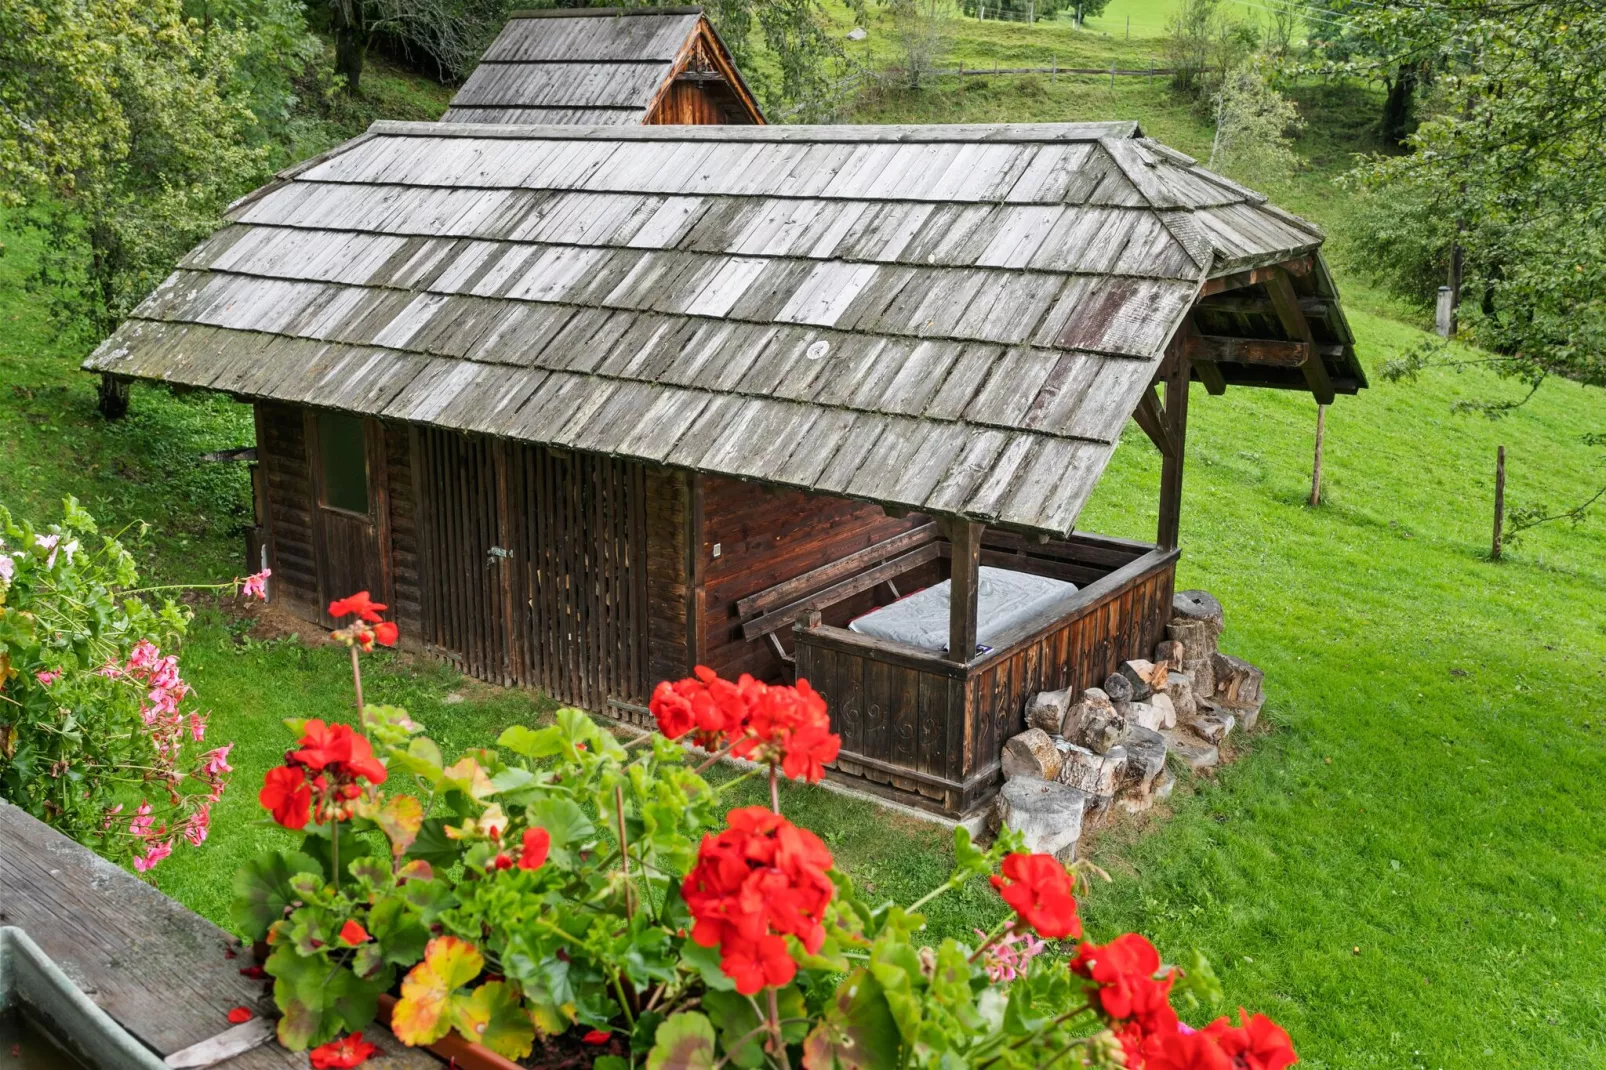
(560, 883)
(92, 714)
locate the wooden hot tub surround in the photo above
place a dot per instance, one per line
(920, 726)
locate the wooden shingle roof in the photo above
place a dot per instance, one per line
(589, 66)
(951, 319)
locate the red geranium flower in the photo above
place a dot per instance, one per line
(596, 1036)
(672, 710)
(342, 1054)
(1040, 894)
(1177, 1050)
(287, 796)
(1124, 970)
(240, 1015)
(339, 751)
(353, 933)
(537, 841)
(359, 604)
(755, 964)
(761, 878)
(1257, 1044)
(715, 709)
(385, 633)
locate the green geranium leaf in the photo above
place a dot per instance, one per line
(705, 960)
(491, 1015)
(318, 1002)
(432, 845)
(857, 1031)
(532, 743)
(684, 1042)
(262, 890)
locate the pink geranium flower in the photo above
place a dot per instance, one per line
(47, 677)
(256, 586)
(157, 852)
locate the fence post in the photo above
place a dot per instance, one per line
(1055, 72)
(1151, 70)
(1316, 466)
(1499, 503)
(1112, 74)
(1444, 314)
(1129, 27)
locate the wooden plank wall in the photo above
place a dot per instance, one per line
(766, 536)
(668, 495)
(686, 103)
(287, 480)
(407, 602)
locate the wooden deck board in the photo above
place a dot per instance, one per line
(156, 967)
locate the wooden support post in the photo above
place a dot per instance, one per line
(1151, 418)
(696, 592)
(964, 540)
(1286, 302)
(113, 403)
(1444, 313)
(1176, 420)
(1499, 504)
(1316, 465)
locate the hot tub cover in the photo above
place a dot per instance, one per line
(1003, 600)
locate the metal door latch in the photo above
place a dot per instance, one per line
(495, 552)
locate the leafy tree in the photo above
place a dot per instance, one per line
(124, 128)
(1202, 43)
(1254, 126)
(451, 33)
(1502, 196)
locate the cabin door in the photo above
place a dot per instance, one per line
(348, 512)
(468, 568)
(582, 535)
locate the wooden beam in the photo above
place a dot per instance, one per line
(790, 590)
(1149, 417)
(1208, 373)
(964, 538)
(1213, 349)
(1313, 307)
(1300, 266)
(1177, 373)
(1296, 326)
(847, 588)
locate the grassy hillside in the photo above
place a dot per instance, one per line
(1403, 868)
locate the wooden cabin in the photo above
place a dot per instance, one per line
(590, 405)
(606, 66)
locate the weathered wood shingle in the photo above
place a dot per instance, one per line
(950, 319)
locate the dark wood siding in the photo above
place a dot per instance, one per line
(686, 103)
(766, 536)
(406, 600)
(287, 482)
(668, 498)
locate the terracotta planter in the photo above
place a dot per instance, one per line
(457, 1052)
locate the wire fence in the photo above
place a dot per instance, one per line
(834, 95)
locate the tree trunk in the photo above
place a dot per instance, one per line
(1397, 106)
(113, 397)
(351, 42)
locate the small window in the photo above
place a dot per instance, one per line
(345, 462)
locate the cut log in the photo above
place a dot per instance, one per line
(1118, 689)
(1179, 689)
(1198, 605)
(1047, 710)
(1033, 754)
(1146, 677)
(1169, 653)
(1047, 814)
(1237, 681)
(1096, 775)
(1213, 727)
(1191, 750)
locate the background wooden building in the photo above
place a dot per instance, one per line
(606, 67)
(590, 405)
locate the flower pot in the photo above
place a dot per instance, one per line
(454, 1049)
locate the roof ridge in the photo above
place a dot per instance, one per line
(600, 12)
(997, 133)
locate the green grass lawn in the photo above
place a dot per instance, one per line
(1404, 869)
